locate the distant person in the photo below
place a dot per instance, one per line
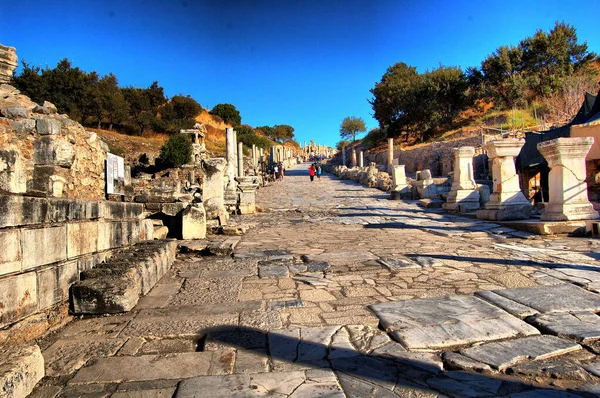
(275, 173)
(319, 171)
(311, 172)
(281, 171)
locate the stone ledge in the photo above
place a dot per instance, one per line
(572, 228)
(115, 286)
(21, 367)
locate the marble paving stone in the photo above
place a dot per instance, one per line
(273, 271)
(311, 280)
(251, 361)
(66, 356)
(340, 346)
(314, 342)
(455, 360)
(425, 261)
(486, 383)
(276, 305)
(557, 298)
(593, 368)
(577, 325)
(153, 393)
(384, 373)
(340, 256)
(283, 344)
(500, 355)
(539, 393)
(355, 387)
(397, 264)
(456, 388)
(512, 307)
(367, 338)
(438, 322)
(428, 361)
(155, 367)
(317, 266)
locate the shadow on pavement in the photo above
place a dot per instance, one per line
(371, 375)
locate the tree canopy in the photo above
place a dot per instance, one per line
(352, 125)
(228, 113)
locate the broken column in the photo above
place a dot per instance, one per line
(240, 159)
(426, 188)
(360, 159)
(400, 189)
(212, 189)
(390, 160)
(230, 156)
(354, 162)
(8, 63)
(507, 202)
(463, 195)
(566, 181)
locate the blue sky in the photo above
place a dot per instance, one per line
(306, 63)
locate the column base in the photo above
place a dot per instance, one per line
(506, 213)
(462, 200)
(567, 212)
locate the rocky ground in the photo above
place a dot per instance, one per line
(336, 291)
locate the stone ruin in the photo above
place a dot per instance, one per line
(8, 63)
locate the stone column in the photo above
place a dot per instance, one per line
(235, 154)
(566, 181)
(212, 189)
(354, 163)
(240, 159)
(360, 159)
(344, 155)
(507, 202)
(254, 156)
(230, 156)
(400, 189)
(463, 195)
(390, 161)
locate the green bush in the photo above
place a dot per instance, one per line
(177, 150)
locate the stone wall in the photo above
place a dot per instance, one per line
(46, 154)
(8, 63)
(47, 242)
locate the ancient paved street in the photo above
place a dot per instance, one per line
(336, 291)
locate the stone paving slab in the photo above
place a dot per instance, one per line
(558, 298)
(440, 322)
(340, 257)
(580, 326)
(512, 307)
(297, 384)
(503, 354)
(155, 367)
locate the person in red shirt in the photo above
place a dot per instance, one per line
(311, 172)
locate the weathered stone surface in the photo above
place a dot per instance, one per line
(333, 257)
(66, 356)
(18, 297)
(194, 222)
(579, 326)
(273, 271)
(224, 248)
(51, 239)
(10, 255)
(48, 126)
(155, 367)
(12, 172)
(21, 367)
(557, 298)
(512, 307)
(394, 264)
(160, 232)
(453, 360)
(434, 323)
(53, 283)
(501, 355)
(82, 238)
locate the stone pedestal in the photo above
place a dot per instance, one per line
(425, 186)
(247, 191)
(390, 160)
(212, 188)
(400, 189)
(506, 202)
(567, 186)
(193, 223)
(463, 195)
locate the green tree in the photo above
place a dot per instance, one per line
(32, 83)
(179, 113)
(143, 106)
(177, 150)
(228, 113)
(342, 144)
(283, 132)
(113, 104)
(351, 126)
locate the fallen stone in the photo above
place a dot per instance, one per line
(440, 322)
(21, 368)
(273, 271)
(160, 232)
(297, 268)
(512, 307)
(233, 229)
(193, 246)
(501, 355)
(311, 280)
(396, 264)
(276, 305)
(318, 266)
(344, 256)
(224, 248)
(558, 298)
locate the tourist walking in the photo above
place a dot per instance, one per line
(275, 173)
(311, 172)
(319, 171)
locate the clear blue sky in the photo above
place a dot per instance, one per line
(305, 63)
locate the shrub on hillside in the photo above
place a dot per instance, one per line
(177, 150)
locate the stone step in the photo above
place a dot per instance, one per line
(21, 367)
(116, 286)
(224, 248)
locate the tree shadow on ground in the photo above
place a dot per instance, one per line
(363, 375)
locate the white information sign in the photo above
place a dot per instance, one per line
(115, 174)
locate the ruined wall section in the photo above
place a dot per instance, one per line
(8, 63)
(46, 154)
